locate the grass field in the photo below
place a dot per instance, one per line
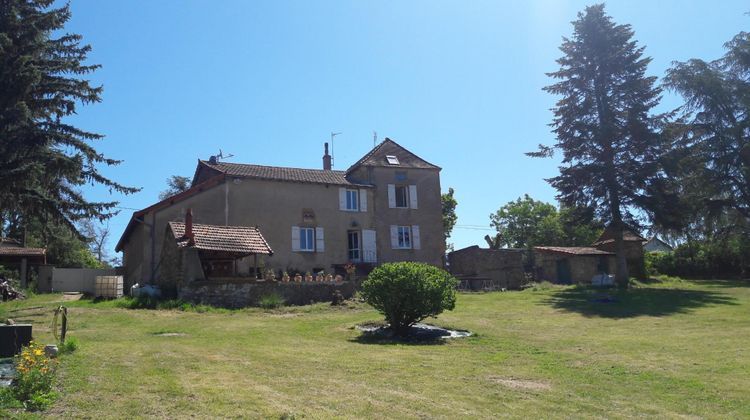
(664, 349)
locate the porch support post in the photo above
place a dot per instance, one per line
(255, 260)
(24, 272)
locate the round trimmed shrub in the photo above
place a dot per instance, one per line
(408, 292)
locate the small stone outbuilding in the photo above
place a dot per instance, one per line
(482, 268)
(571, 265)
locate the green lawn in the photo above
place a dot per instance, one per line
(672, 349)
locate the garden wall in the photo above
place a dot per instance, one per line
(240, 293)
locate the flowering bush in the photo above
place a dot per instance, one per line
(34, 374)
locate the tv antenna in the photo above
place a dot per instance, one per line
(220, 156)
(374, 138)
(333, 158)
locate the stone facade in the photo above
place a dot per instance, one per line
(504, 267)
(550, 266)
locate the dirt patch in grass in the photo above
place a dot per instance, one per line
(523, 384)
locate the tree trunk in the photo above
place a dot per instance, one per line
(622, 277)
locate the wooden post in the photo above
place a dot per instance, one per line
(255, 259)
(24, 273)
(64, 328)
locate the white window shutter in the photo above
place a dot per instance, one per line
(391, 196)
(295, 238)
(362, 200)
(369, 246)
(415, 241)
(394, 237)
(342, 198)
(320, 245)
(413, 196)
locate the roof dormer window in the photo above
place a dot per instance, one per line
(392, 160)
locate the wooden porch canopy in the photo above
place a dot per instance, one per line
(15, 254)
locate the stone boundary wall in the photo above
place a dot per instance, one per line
(240, 293)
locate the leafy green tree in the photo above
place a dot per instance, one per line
(579, 226)
(43, 158)
(449, 213)
(603, 123)
(175, 185)
(525, 223)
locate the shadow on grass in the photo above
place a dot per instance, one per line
(722, 282)
(419, 334)
(367, 338)
(613, 303)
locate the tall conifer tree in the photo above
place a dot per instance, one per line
(603, 122)
(43, 159)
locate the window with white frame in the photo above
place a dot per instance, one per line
(404, 236)
(352, 200)
(354, 246)
(307, 239)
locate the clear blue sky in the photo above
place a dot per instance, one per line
(459, 83)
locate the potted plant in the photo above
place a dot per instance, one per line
(351, 269)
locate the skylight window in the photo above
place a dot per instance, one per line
(392, 160)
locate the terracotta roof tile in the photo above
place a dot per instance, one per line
(278, 173)
(233, 239)
(572, 250)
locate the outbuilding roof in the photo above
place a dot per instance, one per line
(280, 173)
(572, 250)
(241, 240)
(628, 235)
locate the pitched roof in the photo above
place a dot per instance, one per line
(195, 189)
(628, 235)
(377, 157)
(572, 250)
(13, 251)
(279, 173)
(231, 239)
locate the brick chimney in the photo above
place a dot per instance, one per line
(326, 159)
(189, 227)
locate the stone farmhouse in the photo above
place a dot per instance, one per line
(385, 207)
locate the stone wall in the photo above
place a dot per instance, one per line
(238, 293)
(502, 266)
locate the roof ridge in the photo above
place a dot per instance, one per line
(269, 166)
